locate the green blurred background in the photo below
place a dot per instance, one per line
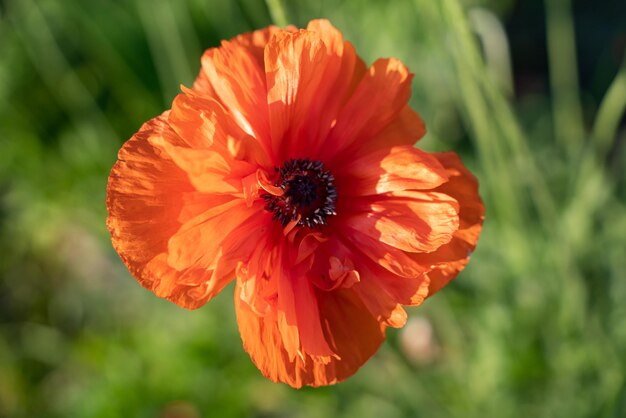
(531, 93)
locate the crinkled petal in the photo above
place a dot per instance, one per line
(390, 170)
(343, 70)
(411, 221)
(209, 171)
(294, 304)
(380, 290)
(406, 129)
(204, 124)
(331, 265)
(198, 243)
(148, 198)
(392, 259)
(309, 322)
(254, 42)
(384, 295)
(239, 83)
(451, 258)
(378, 99)
(350, 329)
(295, 63)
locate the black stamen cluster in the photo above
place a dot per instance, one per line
(309, 193)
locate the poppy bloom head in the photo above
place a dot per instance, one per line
(289, 167)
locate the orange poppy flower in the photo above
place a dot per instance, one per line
(289, 167)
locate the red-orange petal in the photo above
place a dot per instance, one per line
(381, 94)
(331, 265)
(384, 292)
(390, 258)
(451, 258)
(238, 245)
(387, 276)
(410, 221)
(348, 326)
(254, 42)
(198, 242)
(309, 322)
(294, 304)
(148, 198)
(204, 124)
(343, 70)
(239, 83)
(406, 129)
(295, 63)
(390, 170)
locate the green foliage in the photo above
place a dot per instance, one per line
(533, 327)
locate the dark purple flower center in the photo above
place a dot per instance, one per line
(309, 193)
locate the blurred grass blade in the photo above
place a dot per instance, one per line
(593, 186)
(568, 116)
(31, 25)
(610, 113)
(165, 39)
(277, 12)
(505, 146)
(495, 44)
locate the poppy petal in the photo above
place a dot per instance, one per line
(387, 256)
(309, 323)
(451, 258)
(209, 171)
(380, 288)
(239, 83)
(385, 88)
(390, 170)
(198, 241)
(343, 70)
(148, 198)
(203, 124)
(354, 334)
(382, 291)
(294, 68)
(411, 221)
(295, 303)
(406, 129)
(254, 42)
